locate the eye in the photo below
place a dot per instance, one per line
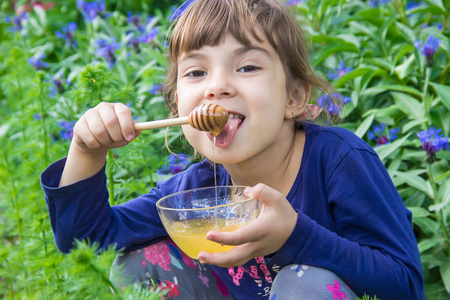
(246, 69)
(196, 73)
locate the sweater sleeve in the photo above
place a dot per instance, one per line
(373, 248)
(81, 210)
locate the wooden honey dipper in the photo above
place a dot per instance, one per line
(206, 117)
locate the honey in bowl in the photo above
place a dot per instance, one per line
(187, 216)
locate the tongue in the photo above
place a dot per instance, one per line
(228, 132)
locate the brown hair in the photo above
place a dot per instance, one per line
(206, 22)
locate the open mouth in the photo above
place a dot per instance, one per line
(225, 137)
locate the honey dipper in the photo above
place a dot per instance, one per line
(206, 117)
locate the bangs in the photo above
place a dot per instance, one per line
(205, 23)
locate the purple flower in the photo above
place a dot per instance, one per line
(107, 50)
(176, 12)
(292, 2)
(148, 37)
(58, 86)
(134, 43)
(413, 4)
(37, 63)
(339, 71)
(17, 21)
(156, 89)
(37, 116)
(67, 132)
(91, 9)
(326, 102)
(432, 142)
(136, 20)
(175, 164)
(381, 135)
(67, 34)
(429, 48)
(378, 3)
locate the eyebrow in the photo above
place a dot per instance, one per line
(240, 51)
(245, 49)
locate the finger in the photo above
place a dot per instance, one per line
(235, 257)
(97, 128)
(126, 121)
(248, 233)
(111, 123)
(83, 137)
(264, 193)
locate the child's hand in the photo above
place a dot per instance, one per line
(106, 126)
(264, 236)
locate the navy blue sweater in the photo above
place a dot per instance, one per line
(351, 219)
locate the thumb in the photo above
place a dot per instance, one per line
(264, 193)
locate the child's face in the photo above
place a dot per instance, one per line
(249, 82)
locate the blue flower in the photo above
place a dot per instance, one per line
(156, 89)
(176, 12)
(175, 163)
(91, 9)
(37, 116)
(67, 132)
(148, 37)
(107, 50)
(37, 62)
(413, 4)
(432, 142)
(339, 71)
(429, 48)
(378, 3)
(326, 102)
(136, 20)
(17, 21)
(58, 86)
(67, 34)
(292, 2)
(381, 135)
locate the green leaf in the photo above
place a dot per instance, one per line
(332, 49)
(384, 150)
(406, 32)
(443, 176)
(413, 123)
(440, 5)
(445, 274)
(443, 92)
(427, 225)
(362, 128)
(409, 105)
(414, 181)
(351, 75)
(419, 212)
(405, 69)
(426, 244)
(401, 88)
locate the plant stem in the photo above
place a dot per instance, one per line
(425, 99)
(44, 127)
(441, 215)
(110, 178)
(15, 201)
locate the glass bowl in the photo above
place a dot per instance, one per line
(188, 215)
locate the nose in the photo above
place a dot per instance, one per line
(219, 87)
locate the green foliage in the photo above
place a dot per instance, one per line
(390, 82)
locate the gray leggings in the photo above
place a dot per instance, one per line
(181, 277)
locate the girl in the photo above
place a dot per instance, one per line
(332, 225)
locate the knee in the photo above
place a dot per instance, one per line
(308, 282)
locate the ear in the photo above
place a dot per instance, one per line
(298, 99)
